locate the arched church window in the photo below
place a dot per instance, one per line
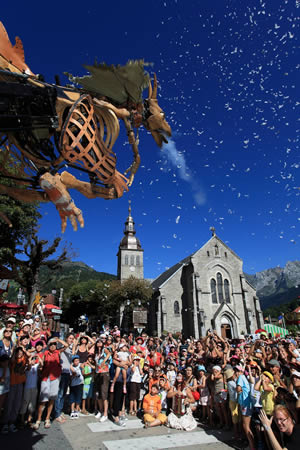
(176, 308)
(138, 260)
(126, 260)
(213, 290)
(132, 260)
(220, 287)
(226, 291)
(216, 250)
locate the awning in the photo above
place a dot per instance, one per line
(275, 330)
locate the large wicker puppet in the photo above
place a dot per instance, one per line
(44, 127)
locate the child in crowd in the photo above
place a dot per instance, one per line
(204, 393)
(152, 408)
(30, 389)
(135, 385)
(171, 373)
(88, 369)
(76, 388)
(124, 358)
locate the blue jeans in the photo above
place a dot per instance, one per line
(65, 379)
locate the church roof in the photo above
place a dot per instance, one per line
(215, 237)
(165, 276)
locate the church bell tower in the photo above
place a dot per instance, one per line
(130, 254)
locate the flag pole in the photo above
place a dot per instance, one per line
(283, 320)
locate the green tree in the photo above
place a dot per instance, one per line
(101, 300)
(23, 218)
(27, 271)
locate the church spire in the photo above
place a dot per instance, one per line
(130, 241)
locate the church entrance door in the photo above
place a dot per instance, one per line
(226, 327)
(226, 331)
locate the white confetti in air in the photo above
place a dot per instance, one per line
(177, 219)
(176, 158)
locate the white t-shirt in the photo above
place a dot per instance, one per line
(123, 356)
(136, 377)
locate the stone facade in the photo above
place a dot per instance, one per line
(205, 290)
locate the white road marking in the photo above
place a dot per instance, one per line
(97, 427)
(162, 442)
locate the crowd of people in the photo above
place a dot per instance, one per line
(250, 385)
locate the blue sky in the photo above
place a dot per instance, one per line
(227, 74)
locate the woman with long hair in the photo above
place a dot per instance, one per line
(181, 395)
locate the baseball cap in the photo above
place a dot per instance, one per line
(75, 357)
(295, 373)
(274, 362)
(217, 368)
(201, 367)
(11, 319)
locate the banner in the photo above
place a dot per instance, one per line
(275, 330)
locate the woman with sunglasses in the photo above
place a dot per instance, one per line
(51, 373)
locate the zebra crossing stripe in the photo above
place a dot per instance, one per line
(162, 442)
(97, 427)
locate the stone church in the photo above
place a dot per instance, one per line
(206, 290)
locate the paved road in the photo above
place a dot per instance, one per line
(86, 433)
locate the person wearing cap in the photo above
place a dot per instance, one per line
(204, 394)
(275, 369)
(171, 372)
(28, 318)
(139, 341)
(294, 387)
(50, 376)
(76, 387)
(9, 324)
(266, 387)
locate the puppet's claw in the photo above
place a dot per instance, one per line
(58, 194)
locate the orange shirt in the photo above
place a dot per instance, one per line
(156, 381)
(152, 403)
